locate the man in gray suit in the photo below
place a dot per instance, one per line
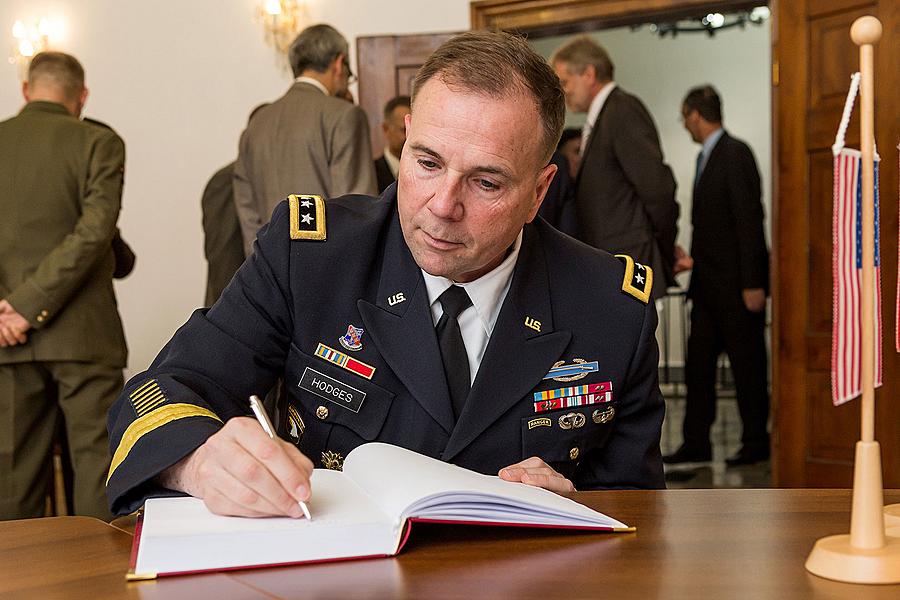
(624, 192)
(309, 140)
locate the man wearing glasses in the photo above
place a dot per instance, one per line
(309, 139)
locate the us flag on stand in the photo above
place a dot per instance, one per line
(846, 340)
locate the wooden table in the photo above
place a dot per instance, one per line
(729, 544)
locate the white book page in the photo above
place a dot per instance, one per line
(408, 484)
(181, 534)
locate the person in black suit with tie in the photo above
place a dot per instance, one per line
(728, 286)
(624, 192)
(394, 129)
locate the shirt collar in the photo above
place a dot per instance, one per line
(313, 82)
(711, 140)
(487, 292)
(45, 106)
(598, 102)
(392, 161)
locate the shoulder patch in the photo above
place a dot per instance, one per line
(638, 280)
(307, 217)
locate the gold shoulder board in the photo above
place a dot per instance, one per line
(307, 217)
(638, 279)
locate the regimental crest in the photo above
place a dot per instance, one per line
(352, 340)
(638, 279)
(307, 217)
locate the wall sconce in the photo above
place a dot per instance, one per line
(28, 40)
(281, 21)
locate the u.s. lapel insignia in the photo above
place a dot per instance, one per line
(533, 323)
(580, 368)
(396, 299)
(307, 217)
(296, 426)
(345, 362)
(332, 460)
(638, 278)
(352, 340)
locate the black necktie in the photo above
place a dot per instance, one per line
(699, 170)
(453, 350)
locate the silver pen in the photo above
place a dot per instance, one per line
(257, 406)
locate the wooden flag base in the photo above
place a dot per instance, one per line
(866, 555)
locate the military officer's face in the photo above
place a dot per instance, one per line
(471, 176)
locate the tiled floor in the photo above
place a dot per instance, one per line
(726, 440)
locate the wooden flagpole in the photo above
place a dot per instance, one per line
(865, 555)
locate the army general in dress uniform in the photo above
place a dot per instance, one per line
(442, 317)
(61, 341)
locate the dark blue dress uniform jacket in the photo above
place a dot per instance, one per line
(292, 295)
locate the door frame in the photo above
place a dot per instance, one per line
(541, 18)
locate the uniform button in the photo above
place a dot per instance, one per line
(40, 318)
(44, 313)
(573, 453)
(322, 412)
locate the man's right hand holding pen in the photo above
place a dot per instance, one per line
(241, 471)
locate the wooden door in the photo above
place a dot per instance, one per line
(813, 60)
(387, 65)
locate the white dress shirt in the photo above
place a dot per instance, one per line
(476, 323)
(392, 161)
(313, 82)
(594, 112)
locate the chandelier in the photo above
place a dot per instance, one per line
(30, 39)
(281, 20)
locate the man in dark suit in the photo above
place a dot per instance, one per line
(62, 348)
(394, 128)
(223, 244)
(729, 284)
(624, 192)
(310, 139)
(438, 317)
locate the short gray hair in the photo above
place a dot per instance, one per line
(315, 48)
(581, 51)
(58, 69)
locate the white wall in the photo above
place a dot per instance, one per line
(660, 72)
(177, 79)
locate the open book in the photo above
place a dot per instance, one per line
(363, 512)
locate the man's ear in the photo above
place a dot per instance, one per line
(339, 63)
(545, 176)
(25, 92)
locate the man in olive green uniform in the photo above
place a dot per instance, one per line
(61, 342)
